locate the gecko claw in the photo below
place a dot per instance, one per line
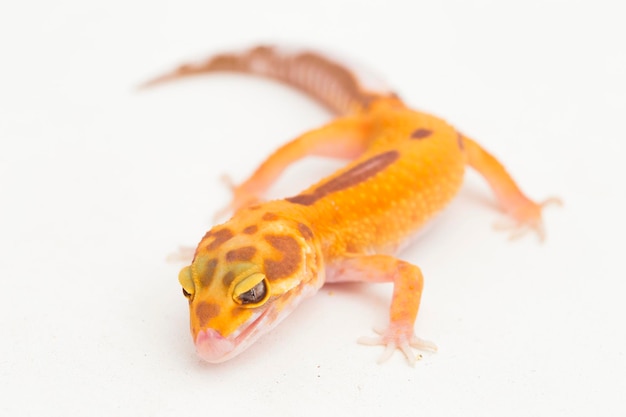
(528, 219)
(239, 200)
(183, 254)
(228, 182)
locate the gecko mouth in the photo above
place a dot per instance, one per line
(215, 348)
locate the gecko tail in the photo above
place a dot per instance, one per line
(338, 88)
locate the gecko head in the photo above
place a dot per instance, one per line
(247, 275)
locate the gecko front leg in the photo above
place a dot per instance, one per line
(407, 292)
(344, 138)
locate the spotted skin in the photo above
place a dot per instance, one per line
(209, 272)
(306, 231)
(405, 166)
(268, 217)
(250, 230)
(227, 279)
(219, 237)
(289, 258)
(241, 254)
(421, 133)
(206, 311)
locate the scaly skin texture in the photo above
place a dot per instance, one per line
(250, 272)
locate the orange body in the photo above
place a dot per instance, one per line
(250, 272)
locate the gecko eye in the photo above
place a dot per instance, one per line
(186, 281)
(254, 294)
(252, 290)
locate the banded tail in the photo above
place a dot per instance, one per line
(332, 84)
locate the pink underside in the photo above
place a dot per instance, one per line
(212, 347)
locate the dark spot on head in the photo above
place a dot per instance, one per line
(206, 311)
(250, 230)
(220, 237)
(459, 140)
(242, 254)
(290, 257)
(355, 175)
(421, 133)
(270, 217)
(228, 278)
(306, 231)
(207, 276)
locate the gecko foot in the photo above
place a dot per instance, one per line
(183, 254)
(527, 218)
(398, 337)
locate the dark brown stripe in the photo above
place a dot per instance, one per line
(242, 254)
(206, 311)
(421, 133)
(359, 173)
(350, 178)
(303, 199)
(290, 257)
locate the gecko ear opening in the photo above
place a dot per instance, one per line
(185, 279)
(251, 291)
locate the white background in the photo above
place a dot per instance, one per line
(99, 183)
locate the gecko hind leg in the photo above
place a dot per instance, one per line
(526, 214)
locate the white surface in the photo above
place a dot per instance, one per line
(99, 184)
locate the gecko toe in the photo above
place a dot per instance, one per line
(403, 341)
